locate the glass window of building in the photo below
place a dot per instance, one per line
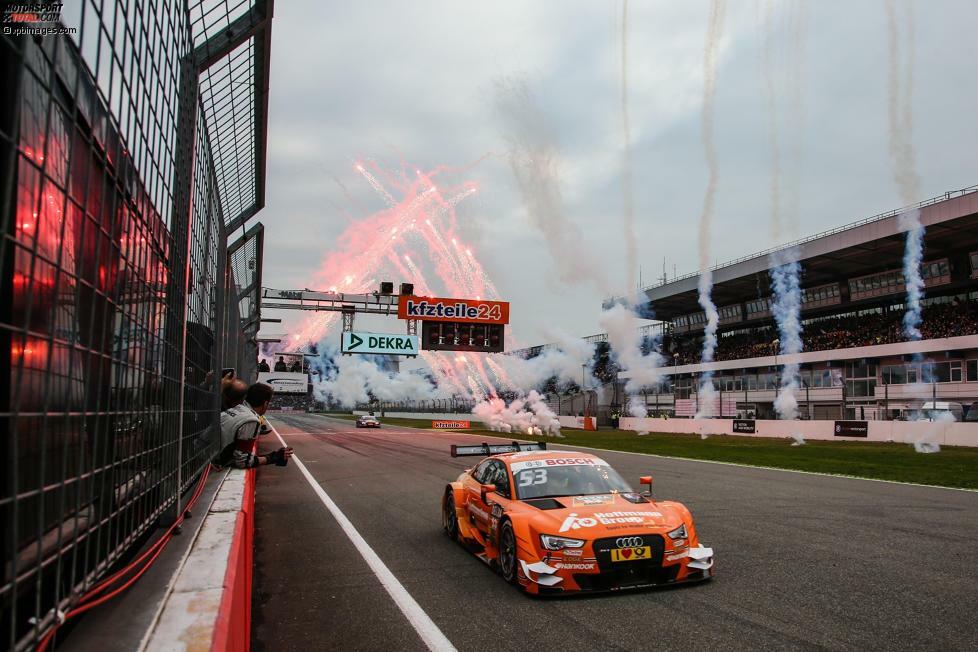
(894, 374)
(972, 370)
(936, 372)
(860, 387)
(956, 371)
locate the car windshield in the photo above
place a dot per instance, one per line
(579, 480)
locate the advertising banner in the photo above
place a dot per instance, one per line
(472, 311)
(851, 429)
(745, 426)
(451, 425)
(384, 343)
(285, 382)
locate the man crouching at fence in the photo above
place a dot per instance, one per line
(240, 425)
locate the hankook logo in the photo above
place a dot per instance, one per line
(629, 542)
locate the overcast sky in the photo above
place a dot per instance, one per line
(415, 79)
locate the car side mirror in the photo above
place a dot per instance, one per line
(485, 489)
(646, 480)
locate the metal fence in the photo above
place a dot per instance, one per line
(131, 152)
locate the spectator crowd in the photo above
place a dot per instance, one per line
(939, 321)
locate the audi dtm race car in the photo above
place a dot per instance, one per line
(556, 522)
(367, 421)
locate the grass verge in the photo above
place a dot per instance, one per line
(954, 466)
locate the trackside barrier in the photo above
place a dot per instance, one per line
(945, 434)
(232, 631)
(583, 423)
(209, 605)
(425, 416)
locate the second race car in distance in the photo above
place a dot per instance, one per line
(557, 522)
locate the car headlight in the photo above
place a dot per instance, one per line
(550, 542)
(678, 533)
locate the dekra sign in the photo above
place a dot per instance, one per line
(390, 343)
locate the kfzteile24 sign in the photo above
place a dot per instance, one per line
(467, 311)
(457, 324)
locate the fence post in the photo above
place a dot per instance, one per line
(183, 239)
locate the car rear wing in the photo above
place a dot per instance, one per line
(485, 449)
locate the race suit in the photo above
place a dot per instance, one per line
(239, 432)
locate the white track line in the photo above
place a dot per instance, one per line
(422, 623)
(690, 459)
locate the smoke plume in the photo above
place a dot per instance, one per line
(785, 281)
(628, 349)
(626, 340)
(705, 286)
(900, 101)
(530, 416)
(784, 43)
(913, 256)
(567, 361)
(770, 93)
(535, 162)
(350, 380)
(628, 199)
(900, 120)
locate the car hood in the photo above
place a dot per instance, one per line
(589, 516)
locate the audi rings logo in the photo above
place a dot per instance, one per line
(629, 542)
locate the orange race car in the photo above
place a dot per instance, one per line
(556, 522)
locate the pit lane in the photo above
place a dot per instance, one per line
(803, 560)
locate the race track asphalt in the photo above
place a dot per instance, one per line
(803, 561)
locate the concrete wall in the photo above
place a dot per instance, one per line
(948, 434)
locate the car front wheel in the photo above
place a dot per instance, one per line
(507, 552)
(450, 517)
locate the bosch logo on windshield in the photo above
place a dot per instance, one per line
(629, 542)
(568, 461)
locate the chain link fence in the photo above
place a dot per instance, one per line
(122, 299)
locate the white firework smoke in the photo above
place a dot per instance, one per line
(565, 362)
(535, 162)
(350, 380)
(913, 256)
(529, 416)
(628, 200)
(707, 394)
(785, 281)
(900, 114)
(626, 342)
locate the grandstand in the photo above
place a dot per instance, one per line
(856, 363)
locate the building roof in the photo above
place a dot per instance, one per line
(870, 245)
